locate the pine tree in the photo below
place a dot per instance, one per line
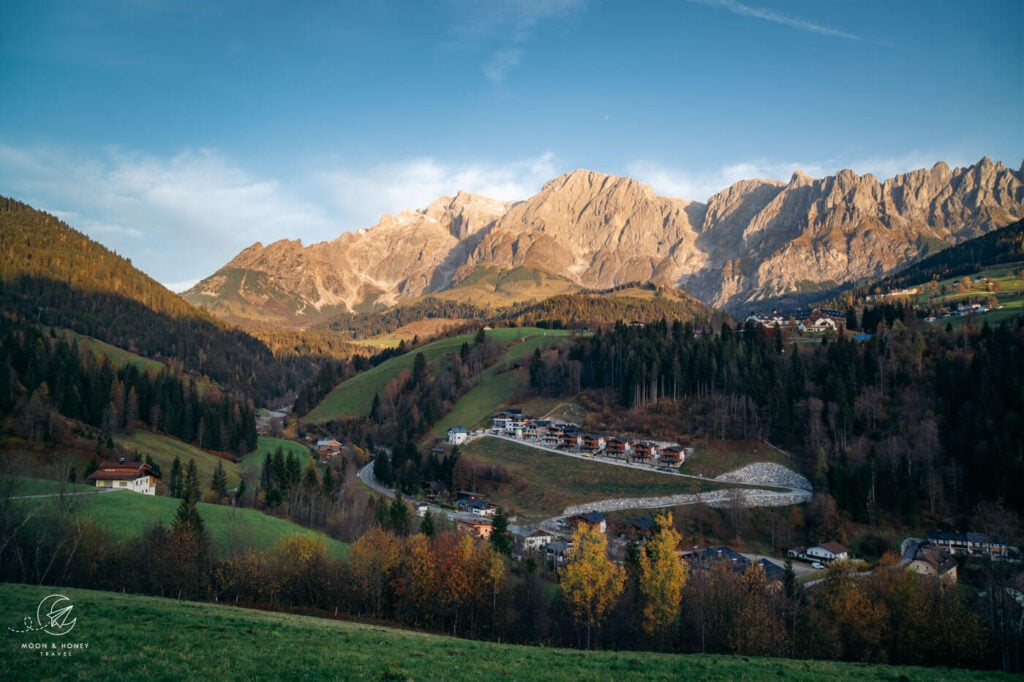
(499, 534)
(382, 468)
(175, 483)
(219, 482)
(190, 488)
(427, 526)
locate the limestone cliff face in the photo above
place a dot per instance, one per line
(598, 230)
(847, 227)
(753, 240)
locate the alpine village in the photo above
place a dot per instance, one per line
(676, 459)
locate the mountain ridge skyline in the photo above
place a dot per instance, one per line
(752, 240)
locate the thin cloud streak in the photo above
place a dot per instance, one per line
(739, 9)
(507, 24)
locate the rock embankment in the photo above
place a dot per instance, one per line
(766, 473)
(798, 490)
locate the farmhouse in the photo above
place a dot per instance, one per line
(457, 435)
(479, 527)
(328, 448)
(134, 476)
(925, 558)
(482, 508)
(828, 551)
(532, 541)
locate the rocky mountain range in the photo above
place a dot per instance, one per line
(753, 241)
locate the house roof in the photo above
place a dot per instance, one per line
(120, 471)
(834, 547)
(592, 517)
(719, 554)
(772, 571)
(948, 536)
(457, 429)
(937, 557)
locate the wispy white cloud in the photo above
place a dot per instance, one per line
(799, 24)
(181, 218)
(501, 28)
(178, 218)
(362, 195)
(500, 64)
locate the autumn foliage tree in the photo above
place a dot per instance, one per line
(662, 578)
(591, 582)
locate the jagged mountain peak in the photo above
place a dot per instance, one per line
(755, 239)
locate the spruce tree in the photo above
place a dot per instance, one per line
(499, 534)
(190, 488)
(427, 526)
(219, 482)
(175, 483)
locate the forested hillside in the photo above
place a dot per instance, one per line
(44, 378)
(631, 303)
(917, 419)
(53, 275)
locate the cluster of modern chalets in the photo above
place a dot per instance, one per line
(512, 423)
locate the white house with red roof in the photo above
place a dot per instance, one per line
(124, 475)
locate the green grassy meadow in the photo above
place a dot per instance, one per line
(133, 637)
(266, 445)
(163, 450)
(232, 529)
(353, 398)
(494, 387)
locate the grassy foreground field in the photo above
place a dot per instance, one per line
(132, 637)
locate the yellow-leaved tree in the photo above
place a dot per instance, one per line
(662, 578)
(591, 582)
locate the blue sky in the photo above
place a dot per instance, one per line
(178, 132)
